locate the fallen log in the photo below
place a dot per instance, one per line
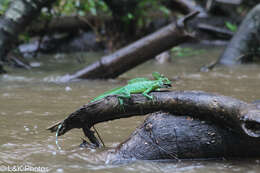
(241, 117)
(136, 53)
(166, 136)
(217, 31)
(245, 43)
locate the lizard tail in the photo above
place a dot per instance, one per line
(99, 137)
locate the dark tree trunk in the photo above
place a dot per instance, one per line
(245, 43)
(136, 53)
(14, 21)
(165, 136)
(241, 117)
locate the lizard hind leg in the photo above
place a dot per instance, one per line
(124, 94)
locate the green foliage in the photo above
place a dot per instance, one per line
(3, 5)
(141, 16)
(181, 52)
(80, 7)
(145, 11)
(231, 27)
(24, 37)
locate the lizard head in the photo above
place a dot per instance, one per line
(164, 82)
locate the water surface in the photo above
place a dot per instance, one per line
(32, 100)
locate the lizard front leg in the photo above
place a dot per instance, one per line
(145, 93)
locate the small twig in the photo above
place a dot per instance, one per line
(90, 135)
(99, 137)
(208, 67)
(183, 22)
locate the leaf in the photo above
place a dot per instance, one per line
(165, 10)
(231, 27)
(181, 52)
(157, 75)
(130, 16)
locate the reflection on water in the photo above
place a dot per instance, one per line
(32, 100)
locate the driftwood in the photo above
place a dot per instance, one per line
(136, 53)
(165, 136)
(239, 116)
(219, 32)
(207, 126)
(245, 43)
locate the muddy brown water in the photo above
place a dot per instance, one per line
(32, 100)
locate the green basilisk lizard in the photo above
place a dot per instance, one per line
(134, 86)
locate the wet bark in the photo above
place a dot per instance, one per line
(136, 53)
(166, 136)
(239, 116)
(19, 14)
(245, 43)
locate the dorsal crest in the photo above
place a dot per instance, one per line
(137, 80)
(157, 75)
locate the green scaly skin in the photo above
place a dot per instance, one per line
(138, 85)
(134, 86)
